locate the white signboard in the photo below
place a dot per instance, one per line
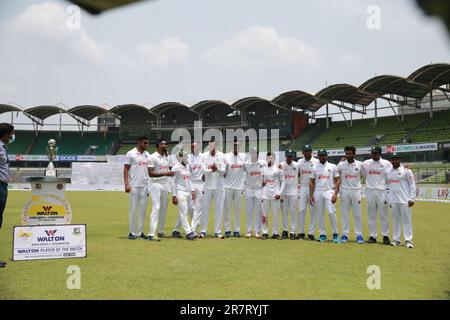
(49, 242)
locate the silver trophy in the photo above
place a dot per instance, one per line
(52, 150)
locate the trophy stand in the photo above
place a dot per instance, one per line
(47, 205)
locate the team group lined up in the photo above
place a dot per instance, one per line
(195, 180)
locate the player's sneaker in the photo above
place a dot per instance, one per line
(409, 244)
(202, 235)
(219, 236)
(395, 243)
(311, 237)
(153, 238)
(176, 234)
(372, 240)
(236, 234)
(191, 236)
(336, 238)
(292, 236)
(227, 234)
(248, 235)
(301, 236)
(265, 236)
(143, 236)
(275, 236)
(386, 240)
(359, 239)
(132, 236)
(344, 239)
(257, 236)
(284, 235)
(322, 238)
(161, 235)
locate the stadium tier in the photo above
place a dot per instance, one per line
(70, 142)
(388, 131)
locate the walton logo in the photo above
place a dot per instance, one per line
(50, 237)
(47, 208)
(50, 233)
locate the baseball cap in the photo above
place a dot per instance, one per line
(290, 153)
(395, 155)
(322, 152)
(307, 148)
(376, 149)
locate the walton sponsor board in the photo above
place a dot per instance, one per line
(389, 149)
(46, 208)
(49, 242)
(67, 158)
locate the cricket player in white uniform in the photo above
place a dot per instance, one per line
(306, 167)
(270, 196)
(213, 169)
(402, 195)
(195, 211)
(183, 193)
(289, 194)
(253, 188)
(159, 171)
(324, 193)
(135, 176)
(349, 186)
(234, 188)
(375, 171)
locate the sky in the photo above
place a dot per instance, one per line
(192, 50)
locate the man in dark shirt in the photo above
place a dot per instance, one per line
(6, 136)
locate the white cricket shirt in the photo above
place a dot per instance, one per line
(350, 174)
(402, 186)
(254, 173)
(324, 175)
(213, 180)
(182, 179)
(138, 162)
(160, 164)
(234, 172)
(272, 178)
(375, 173)
(289, 181)
(306, 169)
(195, 164)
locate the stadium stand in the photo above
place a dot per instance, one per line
(72, 143)
(388, 131)
(435, 129)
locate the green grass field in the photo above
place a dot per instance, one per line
(117, 268)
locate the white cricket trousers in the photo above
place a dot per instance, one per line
(233, 201)
(138, 200)
(218, 195)
(160, 201)
(184, 203)
(289, 205)
(266, 206)
(303, 206)
(401, 216)
(376, 202)
(253, 209)
(322, 200)
(351, 199)
(195, 210)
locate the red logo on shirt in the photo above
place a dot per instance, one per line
(306, 171)
(236, 166)
(374, 172)
(350, 176)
